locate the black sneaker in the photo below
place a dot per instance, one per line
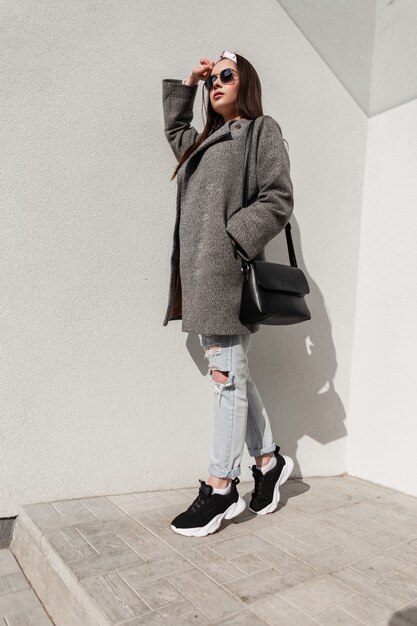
(206, 513)
(266, 495)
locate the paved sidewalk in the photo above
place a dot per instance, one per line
(19, 604)
(337, 551)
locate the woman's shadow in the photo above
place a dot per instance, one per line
(294, 367)
(404, 617)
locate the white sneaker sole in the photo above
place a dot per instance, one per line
(233, 510)
(285, 474)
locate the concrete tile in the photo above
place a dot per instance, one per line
(286, 563)
(13, 582)
(97, 527)
(335, 616)
(19, 600)
(369, 522)
(158, 593)
(296, 547)
(142, 506)
(248, 563)
(352, 493)
(49, 519)
(104, 563)
(43, 514)
(278, 612)
(386, 536)
(159, 526)
(181, 613)
(334, 557)
(340, 530)
(102, 508)
(19, 605)
(363, 509)
(317, 542)
(8, 563)
(171, 496)
(146, 545)
(366, 610)
(211, 599)
(104, 536)
(105, 542)
(243, 618)
(306, 524)
(154, 570)
(167, 511)
(402, 583)
(380, 565)
(366, 487)
(56, 586)
(297, 488)
(242, 544)
(114, 597)
(406, 551)
(71, 510)
(399, 508)
(315, 595)
(249, 521)
(401, 501)
(222, 569)
(71, 545)
(31, 617)
(316, 504)
(260, 585)
(333, 544)
(286, 513)
(121, 498)
(377, 591)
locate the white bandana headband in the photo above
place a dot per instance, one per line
(228, 55)
(224, 55)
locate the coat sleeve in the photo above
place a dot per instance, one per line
(252, 227)
(178, 101)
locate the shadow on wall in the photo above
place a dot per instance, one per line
(294, 367)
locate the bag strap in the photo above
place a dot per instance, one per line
(290, 246)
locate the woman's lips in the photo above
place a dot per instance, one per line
(217, 95)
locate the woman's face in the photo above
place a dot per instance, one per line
(224, 104)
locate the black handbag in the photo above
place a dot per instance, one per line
(272, 293)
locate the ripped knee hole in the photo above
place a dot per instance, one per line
(219, 376)
(213, 348)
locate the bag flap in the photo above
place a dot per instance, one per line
(278, 276)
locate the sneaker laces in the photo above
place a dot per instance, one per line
(258, 476)
(200, 499)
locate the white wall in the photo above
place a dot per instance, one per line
(383, 405)
(342, 33)
(394, 76)
(370, 45)
(96, 396)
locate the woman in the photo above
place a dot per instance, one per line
(206, 277)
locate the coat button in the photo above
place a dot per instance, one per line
(238, 125)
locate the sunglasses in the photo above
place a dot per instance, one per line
(227, 77)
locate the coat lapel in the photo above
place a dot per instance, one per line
(221, 133)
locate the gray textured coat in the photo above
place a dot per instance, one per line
(206, 279)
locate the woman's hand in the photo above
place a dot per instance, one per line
(200, 72)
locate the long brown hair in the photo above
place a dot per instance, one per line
(248, 103)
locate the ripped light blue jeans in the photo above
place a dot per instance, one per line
(239, 413)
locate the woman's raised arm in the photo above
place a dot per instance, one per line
(178, 101)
